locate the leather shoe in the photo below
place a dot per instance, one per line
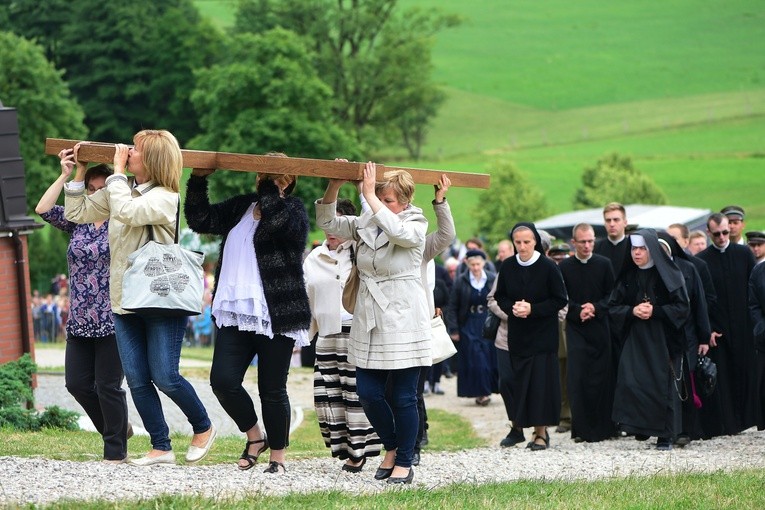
(166, 458)
(402, 479)
(514, 437)
(355, 469)
(383, 473)
(196, 453)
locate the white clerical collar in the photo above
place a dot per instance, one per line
(722, 250)
(534, 257)
(583, 261)
(647, 265)
(478, 283)
(617, 241)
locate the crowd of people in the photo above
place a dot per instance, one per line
(598, 338)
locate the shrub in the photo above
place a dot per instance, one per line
(16, 390)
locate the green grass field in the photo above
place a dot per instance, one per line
(552, 86)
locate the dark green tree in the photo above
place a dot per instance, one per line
(510, 199)
(45, 108)
(133, 68)
(615, 179)
(265, 96)
(367, 51)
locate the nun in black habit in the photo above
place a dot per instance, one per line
(649, 307)
(530, 290)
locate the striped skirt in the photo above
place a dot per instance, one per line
(343, 424)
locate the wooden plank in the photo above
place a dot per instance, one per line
(99, 152)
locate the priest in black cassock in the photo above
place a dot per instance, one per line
(615, 247)
(530, 291)
(733, 406)
(757, 313)
(589, 281)
(649, 306)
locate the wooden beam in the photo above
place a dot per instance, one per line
(98, 152)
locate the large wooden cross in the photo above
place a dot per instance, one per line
(97, 152)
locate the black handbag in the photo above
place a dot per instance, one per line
(706, 375)
(490, 326)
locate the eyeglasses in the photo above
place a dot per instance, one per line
(720, 233)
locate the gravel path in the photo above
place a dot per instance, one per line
(39, 481)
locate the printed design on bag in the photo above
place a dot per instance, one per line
(166, 275)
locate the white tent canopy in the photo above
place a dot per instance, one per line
(658, 217)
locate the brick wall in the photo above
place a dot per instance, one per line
(10, 316)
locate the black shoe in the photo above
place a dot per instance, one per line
(273, 467)
(416, 459)
(663, 444)
(402, 479)
(383, 473)
(578, 439)
(641, 437)
(682, 440)
(535, 447)
(355, 469)
(514, 437)
(424, 441)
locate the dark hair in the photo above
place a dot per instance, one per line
(345, 207)
(716, 218)
(100, 170)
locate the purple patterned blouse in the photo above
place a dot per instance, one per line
(90, 312)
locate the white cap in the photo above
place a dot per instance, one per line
(637, 240)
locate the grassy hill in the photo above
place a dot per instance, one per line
(679, 85)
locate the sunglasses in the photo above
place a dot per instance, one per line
(720, 233)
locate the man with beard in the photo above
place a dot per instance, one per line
(589, 280)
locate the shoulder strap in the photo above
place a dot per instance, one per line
(178, 222)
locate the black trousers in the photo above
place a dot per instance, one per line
(93, 374)
(233, 353)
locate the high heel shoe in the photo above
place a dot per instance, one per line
(402, 479)
(355, 469)
(252, 459)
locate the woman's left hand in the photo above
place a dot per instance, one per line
(370, 179)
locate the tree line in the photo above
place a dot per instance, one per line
(311, 78)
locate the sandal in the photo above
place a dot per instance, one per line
(252, 459)
(535, 447)
(483, 401)
(273, 467)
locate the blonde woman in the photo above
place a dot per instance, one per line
(390, 332)
(150, 347)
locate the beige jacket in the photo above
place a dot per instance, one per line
(129, 210)
(391, 323)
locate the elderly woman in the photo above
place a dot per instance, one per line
(92, 366)
(390, 333)
(477, 375)
(649, 307)
(150, 347)
(260, 304)
(530, 291)
(344, 426)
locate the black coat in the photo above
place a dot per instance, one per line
(459, 299)
(279, 244)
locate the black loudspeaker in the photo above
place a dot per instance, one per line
(13, 197)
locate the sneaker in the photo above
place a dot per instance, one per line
(514, 437)
(437, 389)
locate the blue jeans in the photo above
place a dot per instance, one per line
(397, 427)
(150, 349)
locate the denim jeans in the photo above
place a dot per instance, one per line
(150, 348)
(234, 350)
(93, 374)
(396, 424)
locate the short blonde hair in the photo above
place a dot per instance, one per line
(161, 156)
(402, 184)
